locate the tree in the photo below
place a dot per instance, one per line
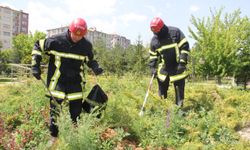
(1, 45)
(119, 60)
(100, 51)
(23, 44)
(242, 62)
(138, 57)
(6, 56)
(218, 42)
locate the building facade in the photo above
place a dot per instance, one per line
(111, 40)
(12, 23)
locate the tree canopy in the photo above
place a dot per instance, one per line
(23, 44)
(222, 44)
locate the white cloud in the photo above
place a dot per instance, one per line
(154, 11)
(8, 5)
(105, 26)
(127, 18)
(45, 16)
(151, 8)
(194, 8)
(168, 5)
(90, 7)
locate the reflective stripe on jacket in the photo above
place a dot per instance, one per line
(66, 61)
(168, 51)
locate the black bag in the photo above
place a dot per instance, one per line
(95, 101)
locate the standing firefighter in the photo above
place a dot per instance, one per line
(169, 50)
(68, 52)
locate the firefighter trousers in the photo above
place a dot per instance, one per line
(74, 103)
(75, 108)
(179, 87)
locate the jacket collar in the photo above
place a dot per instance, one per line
(163, 32)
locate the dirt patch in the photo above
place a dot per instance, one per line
(245, 133)
(127, 144)
(108, 134)
(1, 131)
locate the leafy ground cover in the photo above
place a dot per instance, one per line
(210, 119)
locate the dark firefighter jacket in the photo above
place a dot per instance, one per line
(168, 48)
(66, 58)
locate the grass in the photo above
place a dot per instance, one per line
(210, 118)
(5, 80)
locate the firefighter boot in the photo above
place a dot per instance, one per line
(179, 102)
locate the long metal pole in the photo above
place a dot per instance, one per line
(146, 96)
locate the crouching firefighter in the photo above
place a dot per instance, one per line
(68, 52)
(169, 50)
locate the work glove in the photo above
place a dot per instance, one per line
(98, 71)
(36, 72)
(181, 68)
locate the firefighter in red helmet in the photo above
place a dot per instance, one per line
(169, 50)
(68, 53)
(78, 27)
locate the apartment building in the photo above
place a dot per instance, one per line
(12, 23)
(111, 40)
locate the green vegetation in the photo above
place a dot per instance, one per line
(23, 45)
(1, 44)
(209, 119)
(120, 61)
(222, 45)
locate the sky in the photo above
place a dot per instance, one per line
(129, 18)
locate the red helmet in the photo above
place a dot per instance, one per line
(156, 24)
(78, 26)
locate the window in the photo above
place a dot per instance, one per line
(24, 23)
(7, 11)
(24, 29)
(6, 33)
(5, 18)
(6, 26)
(25, 16)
